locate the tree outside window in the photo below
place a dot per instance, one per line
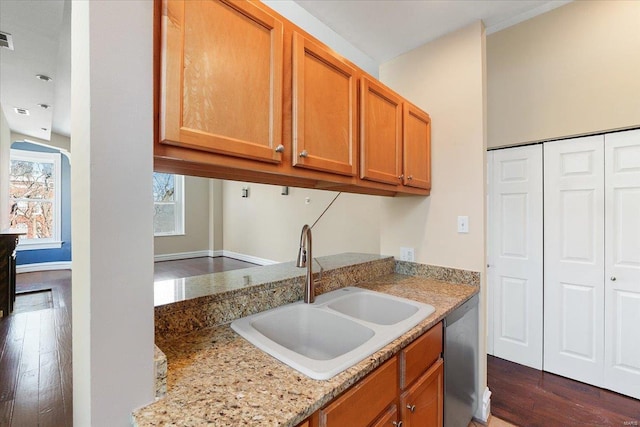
(34, 188)
(168, 196)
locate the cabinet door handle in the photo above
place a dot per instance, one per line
(280, 149)
(411, 408)
(401, 176)
(304, 153)
(613, 278)
(410, 177)
(397, 423)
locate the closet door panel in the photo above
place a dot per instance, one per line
(515, 271)
(574, 259)
(622, 249)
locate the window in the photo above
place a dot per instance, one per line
(34, 189)
(168, 195)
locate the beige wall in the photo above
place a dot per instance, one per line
(196, 215)
(570, 71)
(447, 79)
(5, 147)
(267, 224)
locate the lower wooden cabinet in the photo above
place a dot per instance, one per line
(361, 405)
(406, 391)
(422, 404)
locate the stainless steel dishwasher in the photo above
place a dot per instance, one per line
(461, 364)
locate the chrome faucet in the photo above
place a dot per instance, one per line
(305, 259)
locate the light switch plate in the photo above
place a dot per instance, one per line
(463, 224)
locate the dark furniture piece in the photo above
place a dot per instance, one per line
(8, 243)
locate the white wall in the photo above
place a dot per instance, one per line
(215, 215)
(299, 16)
(446, 78)
(196, 216)
(60, 142)
(267, 224)
(568, 72)
(5, 151)
(112, 205)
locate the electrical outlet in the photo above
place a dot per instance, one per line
(407, 254)
(463, 224)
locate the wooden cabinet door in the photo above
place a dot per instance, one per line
(221, 78)
(417, 147)
(325, 94)
(380, 133)
(422, 404)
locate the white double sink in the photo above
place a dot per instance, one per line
(340, 329)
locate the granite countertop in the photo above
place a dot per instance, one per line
(216, 377)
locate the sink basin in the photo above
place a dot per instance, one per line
(340, 329)
(375, 308)
(311, 332)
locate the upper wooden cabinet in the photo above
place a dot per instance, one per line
(417, 147)
(395, 138)
(241, 93)
(222, 75)
(380, 133)
(325, 96)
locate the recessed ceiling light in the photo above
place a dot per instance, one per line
(6, 40)
(21, 111)
(43, 77)
(44, 106)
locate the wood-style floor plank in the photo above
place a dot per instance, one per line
(51, 411)
(25, 408)
(167, 270)
(529, 397)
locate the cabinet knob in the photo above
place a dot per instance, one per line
(401, 176)
(397, 423)
(410, 177)
(280, 149)
(304, 153)
(613, 278)
(411, 408)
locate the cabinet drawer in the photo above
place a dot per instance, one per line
(420, 354)
(361, 404)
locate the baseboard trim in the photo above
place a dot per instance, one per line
(181, 255)
(216, 253)
(43, 266)
(247, 258)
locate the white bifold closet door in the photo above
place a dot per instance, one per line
(574, 294)
(622, 272)
(515, 254)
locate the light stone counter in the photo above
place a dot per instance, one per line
(217, 378)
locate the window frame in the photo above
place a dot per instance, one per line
(54, 242)
(179, 196)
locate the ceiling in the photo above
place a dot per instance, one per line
(382, 29)
(41, 32)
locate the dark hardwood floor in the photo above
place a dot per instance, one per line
(528, 397)
(35, 343)
(166, 270)
(35, 353)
